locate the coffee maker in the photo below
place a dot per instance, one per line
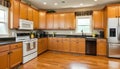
(101, 35)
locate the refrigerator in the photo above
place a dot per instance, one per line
(114, 37)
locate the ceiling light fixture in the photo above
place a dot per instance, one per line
(95, 0)
(81, 4)
(55, 3)
(44, 3)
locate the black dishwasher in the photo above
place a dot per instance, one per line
(90, 46)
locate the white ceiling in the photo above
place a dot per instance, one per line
(69, 3)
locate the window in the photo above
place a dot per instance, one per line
(83, 24)
(3, 20)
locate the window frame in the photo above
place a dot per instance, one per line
(82, 17)
(6, 20)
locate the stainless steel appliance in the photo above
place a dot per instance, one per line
(29, 46)
(114, 37)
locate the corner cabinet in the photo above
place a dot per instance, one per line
(98, 20)
(14, 14)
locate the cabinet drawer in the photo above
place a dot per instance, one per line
(17, 45)
(4, 48)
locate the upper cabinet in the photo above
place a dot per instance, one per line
(42, 20)
(50, 21)
(113, 11)
(23, 11)
(14, 14)
(98, 19)
(36, 19)
(61, 21)
(30, 14)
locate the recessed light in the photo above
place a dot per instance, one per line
(95, 0)
(81, 4)
(55, 3)
(44, 3)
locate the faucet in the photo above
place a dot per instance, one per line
(82, 32)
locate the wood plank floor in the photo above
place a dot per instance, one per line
(58, 60)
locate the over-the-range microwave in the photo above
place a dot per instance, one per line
(25, 24)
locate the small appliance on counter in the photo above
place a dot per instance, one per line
(41, 34)
(101, 35)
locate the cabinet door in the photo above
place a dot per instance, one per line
(15, 57)
(69, 21)
(101, 47)
(112, 11)
(59, 44)
(14, 14)
(30, 14)
(61, 21)
(50, 21)
(42, 20)
(36, 19)
(40, 47)
(56, 21)
(4, 59)
(23, 11)
(44, 44)
(73, 45)
(119, 11)
(81, 45)
(98, 19)
(66, 44)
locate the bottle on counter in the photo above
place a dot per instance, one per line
(32, 35)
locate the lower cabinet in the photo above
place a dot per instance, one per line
(10, 55)
(42, 45)
(4, 59)
(101, 47)
(77, 45)
(66, 44)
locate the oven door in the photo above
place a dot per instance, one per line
(29, 47)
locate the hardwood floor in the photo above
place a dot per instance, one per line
(58, 60)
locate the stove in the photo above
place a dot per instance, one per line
(29, 46)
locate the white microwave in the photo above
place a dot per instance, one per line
(25, 24)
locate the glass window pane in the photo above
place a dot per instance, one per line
(3, 28)
(2, 16)
(83, 21)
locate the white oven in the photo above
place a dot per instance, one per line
(29, 47)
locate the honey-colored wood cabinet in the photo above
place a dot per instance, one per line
(50, 21)
(69, 21)
(101, 47)
(77, 45)
(112, 11)
(36, 19)
(50, 43)
(42, 45)
(98, 19)
(4, 57)
(14, 14)
(59, 44)
(66, 44)
(42, 20)
(56, 21)
(23, 11)
(61, 21)
(30, 14)
(15, 54)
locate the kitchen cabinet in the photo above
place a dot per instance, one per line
(15, 54)
(61, 21)
(23, 11)
(98, 19)
(59, 44)
(14, 14)
(66, 44)
(101, 47)
(52, 43)
(4, 57)
(30, 14)
(42, 20)
(42, 45)
(77, 45)
(56, 21)
(69, 21)
(36, 19)
(50, 21)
